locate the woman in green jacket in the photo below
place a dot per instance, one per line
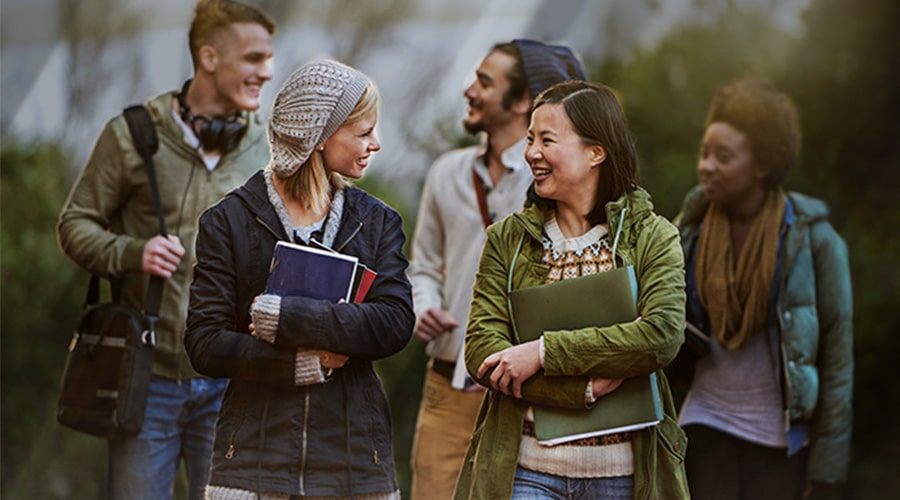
(584, 211)
(769, 409)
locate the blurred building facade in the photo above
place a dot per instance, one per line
(67, 66)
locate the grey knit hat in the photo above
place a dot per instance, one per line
(546, 65)
(312, 104)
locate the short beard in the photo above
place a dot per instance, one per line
(473, 128)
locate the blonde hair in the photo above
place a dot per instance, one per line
(312, 185)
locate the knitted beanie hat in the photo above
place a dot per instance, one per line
(312, 104)
(546, 65)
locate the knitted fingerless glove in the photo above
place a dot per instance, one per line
(308, 368)
(264, 314)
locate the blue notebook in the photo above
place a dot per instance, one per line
(299, 270)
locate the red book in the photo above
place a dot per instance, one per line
(363, 282)
(363, 277)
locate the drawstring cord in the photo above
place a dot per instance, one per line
(618, 233)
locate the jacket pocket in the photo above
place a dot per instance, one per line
(669, 477)
(672, 439)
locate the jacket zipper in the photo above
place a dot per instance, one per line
(304, 440)
(785, 375)
(268, 228)
(359, 226)
(229, 454)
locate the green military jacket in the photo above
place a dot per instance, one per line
(649, 243)
(109, 215)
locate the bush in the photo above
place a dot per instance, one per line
(42, 293)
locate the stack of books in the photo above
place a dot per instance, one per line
(318, 272)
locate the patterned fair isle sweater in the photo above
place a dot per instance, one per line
(605, 456)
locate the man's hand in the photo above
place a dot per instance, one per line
(433, 323)
(162, 255)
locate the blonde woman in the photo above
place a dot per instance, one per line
(304, 414)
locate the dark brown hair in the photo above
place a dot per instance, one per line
(599, 120)
(767, 116)
(518, 84)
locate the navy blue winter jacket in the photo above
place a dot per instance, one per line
(330, 439)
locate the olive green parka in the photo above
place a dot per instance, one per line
(644, 240)
(109, 215)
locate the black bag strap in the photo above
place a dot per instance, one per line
(146, 143)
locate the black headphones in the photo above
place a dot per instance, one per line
(217, 133)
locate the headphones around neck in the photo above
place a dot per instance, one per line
(217, 133)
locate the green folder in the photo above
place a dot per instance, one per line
(600, 299)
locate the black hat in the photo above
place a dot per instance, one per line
(546, 65)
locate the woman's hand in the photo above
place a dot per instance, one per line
(332, 360)
(512, 367)
(253, 328)
(603, 386)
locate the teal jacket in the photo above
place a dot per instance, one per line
(109, 215)
(649, 243)
(812, 329)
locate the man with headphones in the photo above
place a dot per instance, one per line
(210, 141)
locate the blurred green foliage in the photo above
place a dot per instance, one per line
(843, 74)
(40, 298)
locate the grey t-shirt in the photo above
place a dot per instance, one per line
(737, 392)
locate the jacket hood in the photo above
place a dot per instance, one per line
(254, 196)
(807, 208)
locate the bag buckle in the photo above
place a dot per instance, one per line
(148, 336)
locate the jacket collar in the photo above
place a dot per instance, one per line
(621, 214)
(160, 108)
(512, 157)
(356, 203)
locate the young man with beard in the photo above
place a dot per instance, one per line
(210, 141)
(465, 191)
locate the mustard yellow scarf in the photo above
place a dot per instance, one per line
(734, 290)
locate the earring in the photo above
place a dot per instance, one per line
(321, 148)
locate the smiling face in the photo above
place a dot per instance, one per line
(486, 111)
(348, 150)
(240, 63)
(726, 168)
(565, 169)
